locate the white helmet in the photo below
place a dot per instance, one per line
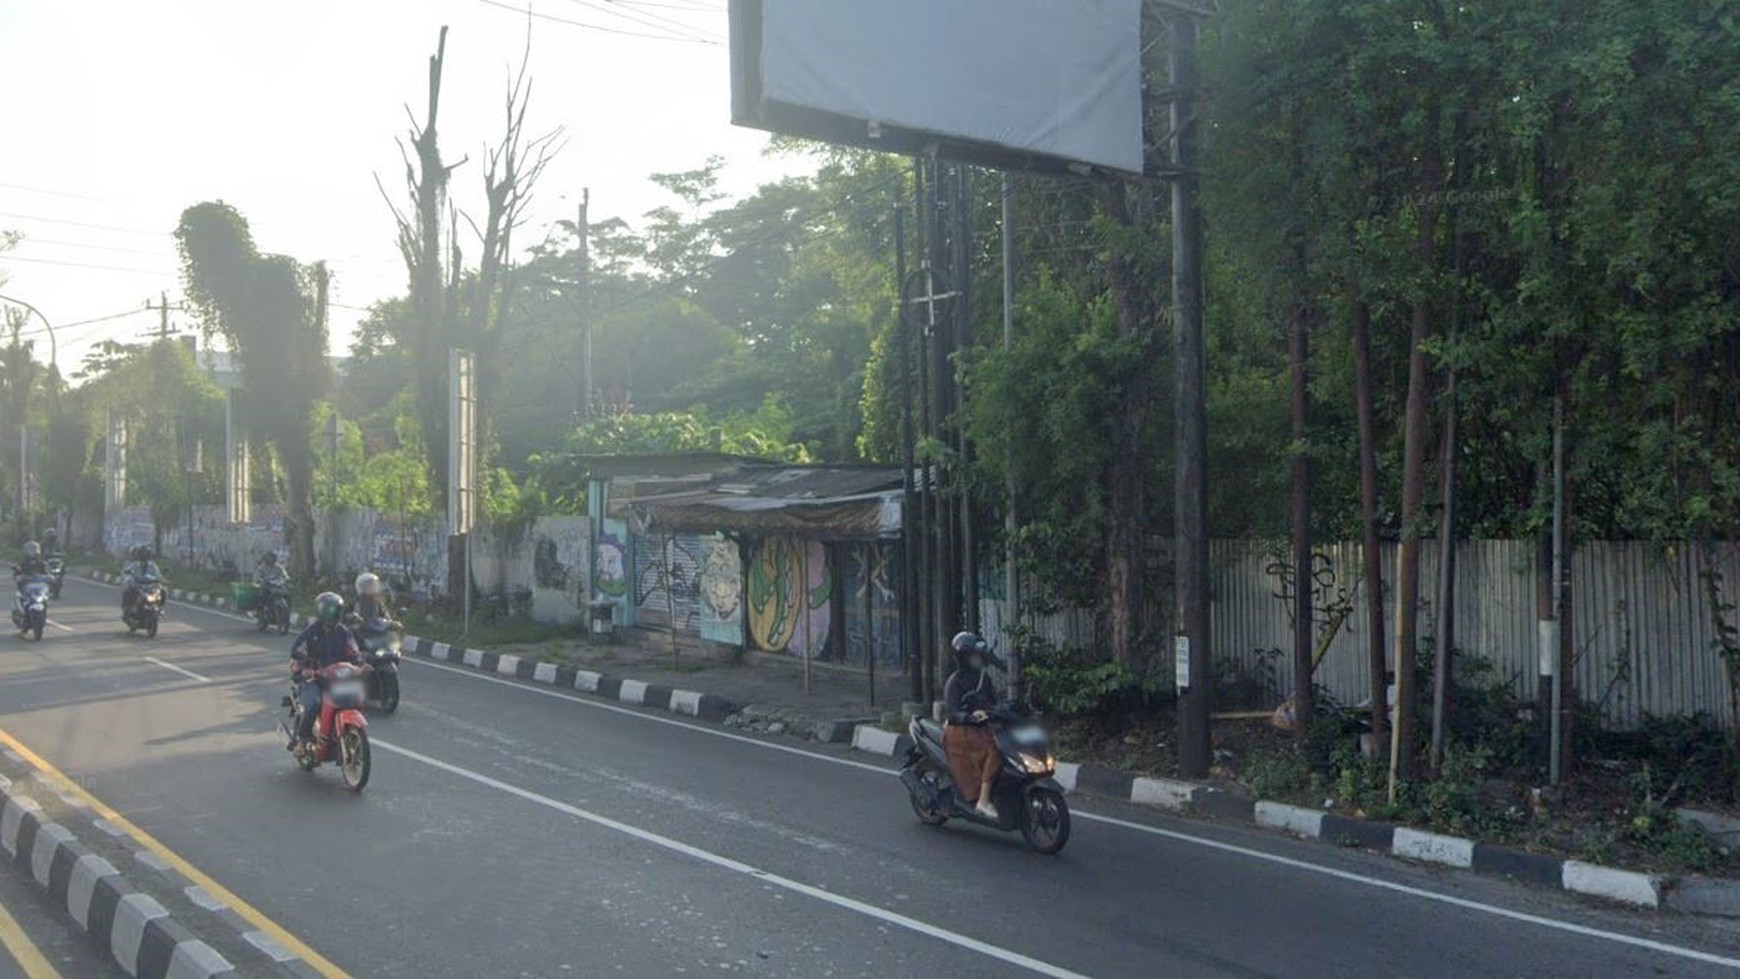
(368, 584)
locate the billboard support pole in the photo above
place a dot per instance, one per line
(1191, 508)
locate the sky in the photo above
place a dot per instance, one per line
(118, 114)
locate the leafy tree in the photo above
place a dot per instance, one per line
(272, 310)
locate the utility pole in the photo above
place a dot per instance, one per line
(583, 229)
(1191, 512)
(1011, 576)
(163, 309)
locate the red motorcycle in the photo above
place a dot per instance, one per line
(341, 731)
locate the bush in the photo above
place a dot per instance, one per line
(1076, 683)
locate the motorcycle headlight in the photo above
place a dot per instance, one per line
(1037, 765)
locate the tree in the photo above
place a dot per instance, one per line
(272, 310)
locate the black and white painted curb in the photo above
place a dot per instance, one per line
(1697, 895)
(634, 693)
(1691, 894)
(135, 929)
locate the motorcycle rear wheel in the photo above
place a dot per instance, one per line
(926, 814)
(389, 692)
(1045, 820)
(353, 758)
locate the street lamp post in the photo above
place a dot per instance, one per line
(53, 348)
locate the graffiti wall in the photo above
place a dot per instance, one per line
(870, 603)
(610, 576)
(788, 592)
(558, 565)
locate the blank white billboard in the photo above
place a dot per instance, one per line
(1016, 83)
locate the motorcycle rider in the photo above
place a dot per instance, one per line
(269, 573)
(51, 542)
(31, 563)
(371, 610)
(974, 759)
(326, 641)
(140, 568)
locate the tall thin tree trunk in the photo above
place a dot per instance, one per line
(1299, 351)
(1414, 438)
(1127, 523)
(1372, 546)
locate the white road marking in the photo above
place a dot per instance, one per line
(1180, 837)
(726, 863)
(57, 625)
(171, 666)
(1306, 866)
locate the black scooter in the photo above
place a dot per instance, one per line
(56, 574)
(1025, 794)
(382, 649)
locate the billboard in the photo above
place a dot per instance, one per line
(1042, 85)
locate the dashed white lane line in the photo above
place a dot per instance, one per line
(1180, 837)
(57, 625)
(761, 876)
(1174, 835)
(171, 666)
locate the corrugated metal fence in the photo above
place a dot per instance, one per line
(1640, 615)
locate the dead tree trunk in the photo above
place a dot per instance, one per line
(1371, 544)
(1299, 350)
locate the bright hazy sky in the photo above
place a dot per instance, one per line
(117, 114)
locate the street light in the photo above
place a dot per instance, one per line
(53, 351)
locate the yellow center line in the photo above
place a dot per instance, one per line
(24, 951)
(254, 916)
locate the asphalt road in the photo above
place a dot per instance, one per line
(513, 831)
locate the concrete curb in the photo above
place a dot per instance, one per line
(1699, 895)
(131, 925)
(1696, 895)
(633, 693)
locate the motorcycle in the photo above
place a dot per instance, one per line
(56, 575)
(147, 608)
(341, 731)
(382, 648)
(272, 608)
(1025, 794)
(30, 604)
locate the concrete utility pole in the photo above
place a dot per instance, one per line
(583, 230)
(163, 308)
(1191, 533)
(1011, 575)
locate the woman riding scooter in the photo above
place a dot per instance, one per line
(969, 695)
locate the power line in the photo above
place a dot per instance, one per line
(33, 240)
(655, 21)
(83, 265)
(58, 193)
(82, 224)
(592, 27)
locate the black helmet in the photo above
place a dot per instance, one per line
(271, 557)
(328, 607)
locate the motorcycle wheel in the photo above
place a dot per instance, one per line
(260, 621)
(151, 627)
(1045, 820)
(353, 758)
(927, 814)
(283, 615)
(389, 692)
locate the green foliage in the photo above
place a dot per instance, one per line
(1073, 683)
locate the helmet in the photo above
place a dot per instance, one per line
(968, 642)
(32, 549)
(271, 557)
(144, 552)
(328, 606)
(368, 584)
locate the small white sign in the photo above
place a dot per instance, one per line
(1181, 660)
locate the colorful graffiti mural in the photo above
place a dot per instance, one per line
(789, 592)
(610, 567)
(872, 568)
(720, 589)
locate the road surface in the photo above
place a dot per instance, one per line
(512, 830)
